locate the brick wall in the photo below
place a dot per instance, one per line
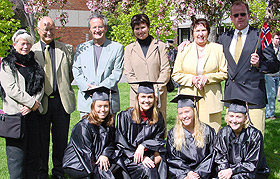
(74, 35)
(75, 5)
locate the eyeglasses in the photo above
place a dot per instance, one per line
(241, 14)
(46, 30)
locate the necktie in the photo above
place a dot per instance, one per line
(48, 72)
(238, 47)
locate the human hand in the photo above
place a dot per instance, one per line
(25, 110)
(255, 60)
(139, 154)
(148, 163)
(202, 80)
(195, 81)
(36, 105)
(91, 86)
(225, 174)
(181, 47)
(104, 162)
(192, 175)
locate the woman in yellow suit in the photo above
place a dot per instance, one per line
(199, 69)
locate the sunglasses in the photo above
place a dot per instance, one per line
(241, 14)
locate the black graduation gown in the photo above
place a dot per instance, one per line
(129, 135)
(86, 144)
(190, 157)
(243, 154)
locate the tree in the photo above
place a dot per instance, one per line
(160, 13)
(8, 26)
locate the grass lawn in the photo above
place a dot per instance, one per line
(271, 142)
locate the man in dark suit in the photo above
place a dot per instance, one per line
(59, 99)
(246, 69)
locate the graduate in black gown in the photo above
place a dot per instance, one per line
(140, 136)
(91, 146)
(239, 146)
(189, 143)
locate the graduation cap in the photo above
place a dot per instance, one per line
(147, 87)
(184, 100)
(99, 93)
(239, 106)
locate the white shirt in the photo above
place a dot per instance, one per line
(234, 40)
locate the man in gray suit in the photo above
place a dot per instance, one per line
(246, 70)
(98, 62)
(59, 99)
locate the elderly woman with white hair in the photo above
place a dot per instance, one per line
(22, 80)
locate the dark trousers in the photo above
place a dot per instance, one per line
(57, 121)
(23, 154)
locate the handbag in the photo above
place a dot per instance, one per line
(11, 126)
(170, 85)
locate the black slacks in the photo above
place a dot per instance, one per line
(56, 121)
(23, 154)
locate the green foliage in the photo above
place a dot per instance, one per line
(160, 28)
(8, 26)
(257, 10)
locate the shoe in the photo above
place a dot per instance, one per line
(272, 118)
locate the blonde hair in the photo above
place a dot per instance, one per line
(153, 119)
(179, 134)
(93, 118)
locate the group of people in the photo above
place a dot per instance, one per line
(36, 82)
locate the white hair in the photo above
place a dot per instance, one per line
(22, 34)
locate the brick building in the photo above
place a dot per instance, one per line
(76, 30)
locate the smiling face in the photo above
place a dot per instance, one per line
(146, 101)
(97, 29)
(239, 16)
(22, 46)
(141, 31)
(200, 34)
(102, 108)
(46, 30)
(236, 121)
(186, 115)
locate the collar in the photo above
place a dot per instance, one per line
(243, 31)
(43, 44)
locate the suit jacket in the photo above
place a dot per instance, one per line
(108, 74)
(16, 95)
(215, 69)
(154, 67)
(64, 59)
(245, 81)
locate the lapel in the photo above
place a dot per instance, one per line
(207, 54)
(231, 63)
(105, 57)
(153, 46)
(58, 54)
(37, 48)
(138, 50)
(193, 57)
(250, 42)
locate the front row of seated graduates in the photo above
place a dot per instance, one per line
(135, 148)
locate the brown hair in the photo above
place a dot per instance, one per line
(275, 33)
(139, 19)
(238, 3)
(153, 118)
(199, 21)
(93, 118)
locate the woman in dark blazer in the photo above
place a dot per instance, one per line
(22, 80)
